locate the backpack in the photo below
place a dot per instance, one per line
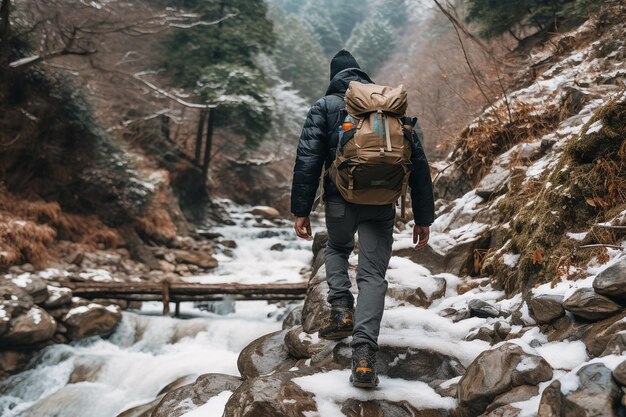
(373, 157)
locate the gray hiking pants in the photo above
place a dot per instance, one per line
(375, 227)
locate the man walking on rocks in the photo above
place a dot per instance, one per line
(327, 126)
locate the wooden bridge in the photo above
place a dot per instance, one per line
(186, 291)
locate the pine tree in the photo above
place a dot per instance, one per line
(372, 41)
(319, 22)
(298, 55)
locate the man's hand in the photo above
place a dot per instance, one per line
(303, 228)
(420, 236)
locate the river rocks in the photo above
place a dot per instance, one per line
(504, 411)
(91, 320)
(86, 368)
(492, 333)
(482, 309)
(29, 328)
(616, 345)
(597, 395)
(57, 297)
(546, 308)
(271, 396)
(497, 371)
(586, 303)
(13, 361)
(612, 281)
(315, 310)
(264, 355)
(189, 397)
(36, 287)
(264, 211)
(198, 258)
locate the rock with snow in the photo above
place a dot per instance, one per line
(612, 281)
(520, 393)
(31, 327)
(91, 320)
(497, 371)
(303, 345)
(293, 318)
(492, 333)
(407, 363)
(36, 287)
(57, 297)
(451, 183)
(545, 308)
(597, 395)
(482, 309)
(315, 309)
(416, 295)
(586, 303)
(616, 345)
(428, 257)
(189, 397)
(597, 336)
(494, 183)
(271, 396)
(265, 212)
(504, 411)
(264, 355)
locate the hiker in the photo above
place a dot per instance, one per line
(373, 220)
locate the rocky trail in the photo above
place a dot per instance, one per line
(516, 308)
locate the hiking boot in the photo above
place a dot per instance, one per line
(339, 325)
(364, 367)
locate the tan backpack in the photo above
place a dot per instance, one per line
(372, 164)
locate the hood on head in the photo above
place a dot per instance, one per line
(339, 83)
(341, 61)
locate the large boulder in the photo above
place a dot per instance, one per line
(612, 281)
(57, 297)
(494, 183)
(31, 327)
(597, 395)
(189, 397)
(271, 396)
(586, 303)
(315, 309)
(91, 320)
(497, 371)
(264, 355)
(198, 258)
(459, 259)
(302, 345)
(407, 363)
(520, 393)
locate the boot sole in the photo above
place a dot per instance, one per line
(337, 335)
(360, 384)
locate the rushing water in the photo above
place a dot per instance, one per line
(100, 377)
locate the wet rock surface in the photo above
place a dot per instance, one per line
(588, 304)
(91, 320)
(266, 354)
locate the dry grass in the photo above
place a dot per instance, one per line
(481, 143)
(587, 186)
(28, 227)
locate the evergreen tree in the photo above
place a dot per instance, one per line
(218, 61)
(319, 22)
(497, 17)
(372, 41)
(298, 55)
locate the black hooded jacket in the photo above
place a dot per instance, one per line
(318, 144)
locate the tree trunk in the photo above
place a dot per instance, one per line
(137, 248)
(199, 133)
(207, 145)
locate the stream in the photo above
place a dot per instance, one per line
(101, 377)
